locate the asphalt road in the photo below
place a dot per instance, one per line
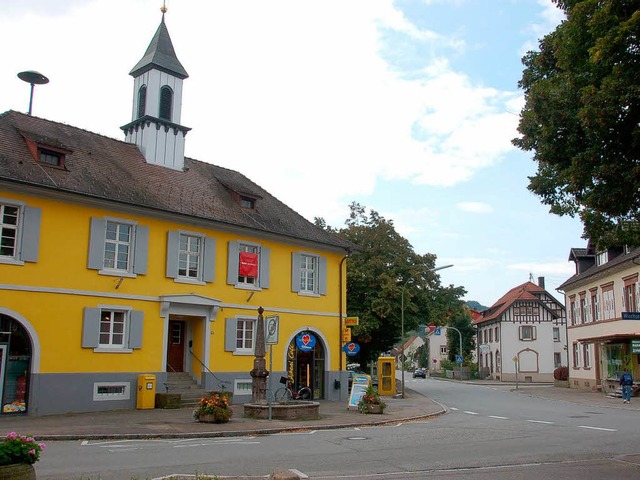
(488, 433)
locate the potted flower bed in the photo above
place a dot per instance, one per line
(371, 402)
(213, 408)
(18, 453)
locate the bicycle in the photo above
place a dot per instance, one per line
(286, 394)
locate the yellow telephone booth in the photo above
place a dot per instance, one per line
(386, 375)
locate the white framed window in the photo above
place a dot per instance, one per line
(242, 387)
(189, 263)
(572, 312)
(190, 257)
(595, 306)
(497, 334)
(19, 232)
(240, 334)
(586, 358)
(602, 258)
(248, 265)
(112, 328)
(630, 296)
(527, 333)
(583, 309)
(576, 355)
(308, 274)
(609, 302)
(118, 247)
(557, 359)
(105, 391)
(556, 334)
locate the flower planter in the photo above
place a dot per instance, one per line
(372, 408)
(211, 418)
(18, 471)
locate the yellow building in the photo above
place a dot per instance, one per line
(119, 258)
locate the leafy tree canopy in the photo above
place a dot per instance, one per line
(582, 118)
(381, 273)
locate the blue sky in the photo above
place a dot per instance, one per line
(407, 107)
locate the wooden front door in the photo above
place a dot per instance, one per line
(175, 353)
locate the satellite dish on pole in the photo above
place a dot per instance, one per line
(34, 78)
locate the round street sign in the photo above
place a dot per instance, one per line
(351, 348)
(305, 342)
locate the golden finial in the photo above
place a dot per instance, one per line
(163, 9)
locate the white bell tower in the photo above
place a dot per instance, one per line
(157, 103)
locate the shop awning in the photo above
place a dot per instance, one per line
(612, 338)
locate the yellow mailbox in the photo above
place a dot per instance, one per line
(146, 397)
(386, 375)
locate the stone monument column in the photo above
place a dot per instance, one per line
(259, 373)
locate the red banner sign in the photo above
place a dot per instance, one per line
(248, 264)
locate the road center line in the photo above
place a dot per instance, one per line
(541, 421)
(454, 408)
(499, 418)
(470, 413)
(598, 428)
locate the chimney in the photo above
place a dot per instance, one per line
(541, 282)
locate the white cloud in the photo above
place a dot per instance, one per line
(559, 268)
(475, 207)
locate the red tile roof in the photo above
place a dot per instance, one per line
(526, 291)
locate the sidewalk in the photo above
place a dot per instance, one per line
(178, 423)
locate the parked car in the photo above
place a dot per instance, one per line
(419, 373)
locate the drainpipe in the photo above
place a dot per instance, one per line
(341, 306)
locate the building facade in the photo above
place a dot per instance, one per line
(522, 337)
(603, 305)
(121, 258)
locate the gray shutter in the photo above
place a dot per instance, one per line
(265, 265)
(230, 334)
(232, 264)
(295, 272)
(96, 244)
(135, 328)
(173, 246)
(322, 275)
(30, 234)
(141, 253)
(91, 327)
(209, 260)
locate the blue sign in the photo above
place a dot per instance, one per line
(305, 342)
(351, 349)
(630, 315)
(458, 358)
(437, 331)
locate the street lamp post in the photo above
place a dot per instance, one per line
(460, 335)
(435, 269)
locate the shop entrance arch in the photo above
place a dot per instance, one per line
(15, 365)
(305, 364)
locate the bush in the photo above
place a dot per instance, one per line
(561, 373)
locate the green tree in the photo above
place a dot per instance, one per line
(461, 320)
(378, 272)
(581, 118)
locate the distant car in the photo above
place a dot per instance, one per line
(420, 373)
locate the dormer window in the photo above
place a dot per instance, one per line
(142, 101)
(166, 103)
(50, 157)
(602, 258)
(247, 202)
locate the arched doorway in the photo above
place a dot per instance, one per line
(15, 365)
(306, 363)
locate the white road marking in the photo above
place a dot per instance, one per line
(454, 408)
(598, 428)
(299, 473)
(470, 413)
(541, 421)
(499, 418)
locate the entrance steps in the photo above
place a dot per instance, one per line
(182, 383)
